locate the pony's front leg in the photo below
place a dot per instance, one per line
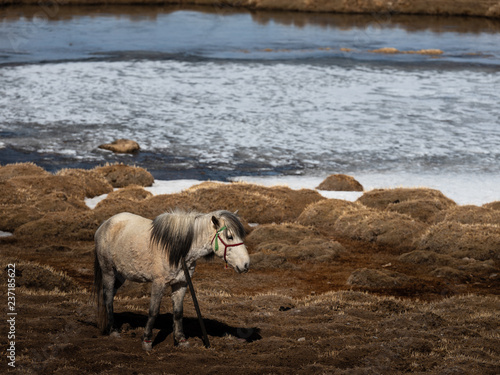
(154, 308)
(178, 293)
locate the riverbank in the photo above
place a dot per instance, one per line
(405, 275)
(382, 9)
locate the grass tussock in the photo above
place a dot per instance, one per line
(274, 245)
(380, 199)
(121, 175)
(340, 182)
(476, 241)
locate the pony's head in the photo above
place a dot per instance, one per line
(227, 242)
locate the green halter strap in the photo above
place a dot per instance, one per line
(216, 238)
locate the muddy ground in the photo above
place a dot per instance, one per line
(401, 281)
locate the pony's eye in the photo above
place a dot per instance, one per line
(229, 236)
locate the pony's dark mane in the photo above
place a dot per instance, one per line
(173, 232)
(233, 223)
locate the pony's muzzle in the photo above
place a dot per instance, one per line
(244, 268)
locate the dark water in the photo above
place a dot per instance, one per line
(214, 93)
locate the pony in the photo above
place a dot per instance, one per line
(131, 247)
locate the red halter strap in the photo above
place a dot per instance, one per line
(216, 236)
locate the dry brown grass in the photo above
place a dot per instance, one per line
(384, 228)
(300, 309)
(469, 215)
(324, 214)
(421, 209)
(477, 241)
(382, 198)
(21, 169)
(493, 205)
(255, 203)
(94, 182)
(67, 225)
(121, 175)
(340, 182)
(37, 278)
(372, 278)
(273, 245)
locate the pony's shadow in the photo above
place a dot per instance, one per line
(192, 327)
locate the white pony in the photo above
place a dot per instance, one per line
(130, 247)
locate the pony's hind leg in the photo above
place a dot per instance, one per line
(178, 293)
(154, 308)
(108, 295)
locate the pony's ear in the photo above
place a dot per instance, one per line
(215, 221)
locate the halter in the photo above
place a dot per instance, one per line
(217, 238)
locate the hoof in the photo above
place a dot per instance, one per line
(147, 345)
(115, 334)
(183, 343)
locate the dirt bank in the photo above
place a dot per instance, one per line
(378, 8)
(334, 286)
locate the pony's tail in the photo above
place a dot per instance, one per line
(98, 295)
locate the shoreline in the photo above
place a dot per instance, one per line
(380, 9)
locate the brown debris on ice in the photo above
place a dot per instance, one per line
(121, 146)
(392, 51)
(387, 50)
(340, 182)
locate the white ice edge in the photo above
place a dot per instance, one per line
(463, 189)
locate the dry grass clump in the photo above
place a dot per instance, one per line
(67, 225)
(254, 203)
(382, 198)
(120, 175)
(493, 205)
(469, 215)
(128, 199)
(273, 245)
(323, 214)
(29, 197)
(426, 257)
(39, 277)
(421, 209)
(477, 241)
(15, 215)
(340, 182)
(446, 266)
(370, 278)
(385, 228)
(133, 192)
(39, 186)
(94, 183)
(21, 169)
